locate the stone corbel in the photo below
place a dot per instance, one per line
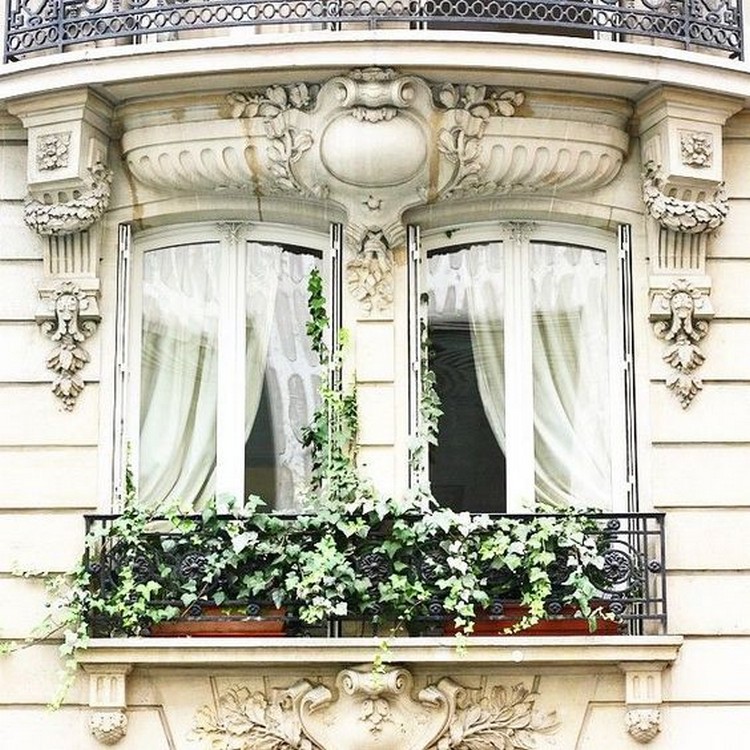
(683, 192)
(108, 721)
(69, 191)
(643, 699)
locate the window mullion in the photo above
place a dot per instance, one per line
(519, 387)
(230, 420)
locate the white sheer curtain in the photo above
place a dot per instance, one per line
(292, 376)
(570, 358)
(178, 375)
(570, 371)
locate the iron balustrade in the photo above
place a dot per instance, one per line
(57, 25)
(630, 581)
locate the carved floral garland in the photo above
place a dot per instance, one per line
(74, 215)
(688, 217)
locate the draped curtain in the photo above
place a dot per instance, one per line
(179, 374)
(570, 358)
(179, 368)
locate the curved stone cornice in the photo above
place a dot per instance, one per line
(74, 215)
(688, 217)
(373, 129)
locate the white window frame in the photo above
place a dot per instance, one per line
(231, 237)
(517, 237)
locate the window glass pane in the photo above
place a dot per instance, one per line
(570, 375)
(178, 374)
(282, 373)
(465, 326)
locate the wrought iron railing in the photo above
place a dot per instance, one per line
(62, 24)
(629, 580)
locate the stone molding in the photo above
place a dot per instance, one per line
(68, 315)
(108, 727)
(372, 708)
(643, 724)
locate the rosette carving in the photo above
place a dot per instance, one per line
(76, 214)
(688, 217)
(367, 710)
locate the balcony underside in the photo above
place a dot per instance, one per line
(56, 26)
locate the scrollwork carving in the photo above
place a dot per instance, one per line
(680, 315)
(69, 315)
(370, 710)
(689, 217)
(75, 215)
(109, 726)
(643, 724)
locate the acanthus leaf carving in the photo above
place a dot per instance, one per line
(69, 315)
(76, 214)
(52, 151)
(680, 316)
(461, 143)
(696, 149)
(373, 710)
(688, 217)
(643, 724)
(288, 143)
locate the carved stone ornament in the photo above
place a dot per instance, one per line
(689, 217)
(68, 316)
(108, 726)
(52, 151)
(461, 142)
(696, 149)
(680, 315)
(643, 724)
(76, 214)
(367, 710)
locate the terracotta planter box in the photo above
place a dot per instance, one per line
(218, 623)
(564, 624)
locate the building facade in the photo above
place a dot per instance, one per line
(555, 192)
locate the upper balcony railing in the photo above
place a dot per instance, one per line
(59, 25)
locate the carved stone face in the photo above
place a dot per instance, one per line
(682, 305)
(66, 310)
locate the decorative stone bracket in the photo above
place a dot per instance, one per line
(683, 191)
(69, 191)
(108, 721)
(643, 698)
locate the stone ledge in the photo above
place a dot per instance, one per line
(658, 651)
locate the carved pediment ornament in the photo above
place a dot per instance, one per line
(76, 214)
(68, 316)
(680, 315)
(374, 710)
(688, 217)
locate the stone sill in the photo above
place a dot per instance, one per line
(658, 651)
